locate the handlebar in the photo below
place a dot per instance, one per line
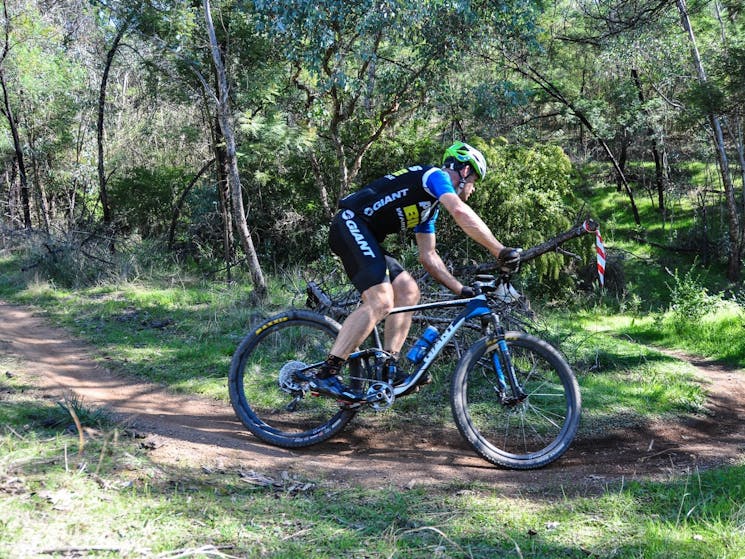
(588, 226)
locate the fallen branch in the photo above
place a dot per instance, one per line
(78, 550)
(683, 250)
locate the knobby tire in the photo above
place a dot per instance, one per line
(255, 393)
(525, 435)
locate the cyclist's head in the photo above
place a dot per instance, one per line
(461, 154)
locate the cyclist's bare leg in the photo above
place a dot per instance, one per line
(377, 302)
(405, 293)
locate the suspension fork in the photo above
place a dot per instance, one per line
(503, 367)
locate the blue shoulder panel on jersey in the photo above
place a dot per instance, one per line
(437, 182)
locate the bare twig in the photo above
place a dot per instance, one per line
(78, 425)
(209, 550)
(78, 550)
(16, 433)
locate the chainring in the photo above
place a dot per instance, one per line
(380, 396)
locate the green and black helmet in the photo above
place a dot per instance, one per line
(466, 155)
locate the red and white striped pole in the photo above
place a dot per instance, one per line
(600, 250)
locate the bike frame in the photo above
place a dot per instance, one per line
(475, 307)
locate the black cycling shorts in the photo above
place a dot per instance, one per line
(365, 261)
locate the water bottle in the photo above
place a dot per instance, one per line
(422, 345)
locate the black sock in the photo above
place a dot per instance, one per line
(331, 367)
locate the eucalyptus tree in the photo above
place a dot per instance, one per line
(363, 66)
(583, 67)
(44, 95)
(714, 118)
(724, 89)
(9, 115)
(119, 27)
(227, 128)
(220, 69)
(654, 40)
(115, 21)
(54, 92)
(165, 157)
(730, 72)
(160, 124)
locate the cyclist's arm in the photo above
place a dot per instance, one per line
(434, 265)
(471, 224)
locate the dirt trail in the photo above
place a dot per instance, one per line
(198, 432)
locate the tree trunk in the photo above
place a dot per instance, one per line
(23, 177)
(72, 191)
(740, 143)
(223, 195)
(8, 112)
(658, 168)
(102, 179)
(622, 158)
(13, 212)
(222, 190)
(42, 206)
(733, 264)
(323, 193)
(226, 125)
(180, 202)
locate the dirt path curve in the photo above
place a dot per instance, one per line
(197, 432)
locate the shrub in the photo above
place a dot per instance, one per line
(690, 300)
(80, 259)
(142, 201)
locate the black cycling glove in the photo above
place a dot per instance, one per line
(509, 260)
(467, 292)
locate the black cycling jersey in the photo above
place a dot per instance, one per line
(406, 199)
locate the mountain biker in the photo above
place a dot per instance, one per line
(407, 199)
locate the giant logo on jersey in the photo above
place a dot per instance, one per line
(387, 199)
(354, 230)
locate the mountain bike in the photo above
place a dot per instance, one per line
(513, 396)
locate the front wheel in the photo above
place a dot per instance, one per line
(524, 432)
(265, 393)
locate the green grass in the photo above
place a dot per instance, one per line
(717, 335)
(109, 499)
(646, 252)
(182, 334)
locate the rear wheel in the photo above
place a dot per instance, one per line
(268, 398)
(523, 433)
